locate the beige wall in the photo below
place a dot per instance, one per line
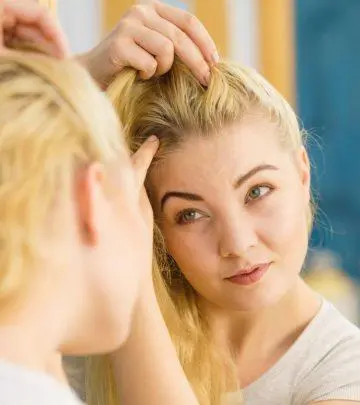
(277, 48)
(214, 15)
(112, 11)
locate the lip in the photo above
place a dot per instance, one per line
(249, 276)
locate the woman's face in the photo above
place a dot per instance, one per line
(233, 209)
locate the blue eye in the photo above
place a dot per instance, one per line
(188, 216)
(257, 192)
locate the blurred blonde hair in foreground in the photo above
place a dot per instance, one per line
(176, 107)
(47, 131)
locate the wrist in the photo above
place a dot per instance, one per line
(88, 61)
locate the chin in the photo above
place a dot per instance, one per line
(256, 304)
(255, 299)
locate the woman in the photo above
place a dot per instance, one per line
(61, 85)
(230, 189)
(69, 200)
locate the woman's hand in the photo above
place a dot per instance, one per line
(146, 38)
(26, 22)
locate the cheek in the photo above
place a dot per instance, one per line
(192, 252)
(291, 224)
(285, 230)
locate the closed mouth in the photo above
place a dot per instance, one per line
(251, 275)
(250, 270)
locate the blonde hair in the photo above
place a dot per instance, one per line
(174, 107)
(47, 130)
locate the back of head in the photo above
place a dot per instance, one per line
(47, 131)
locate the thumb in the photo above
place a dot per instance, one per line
(143, 157)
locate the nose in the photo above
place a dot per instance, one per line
(237, 235)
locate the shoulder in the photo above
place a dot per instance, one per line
(331, 368)
(21, 386)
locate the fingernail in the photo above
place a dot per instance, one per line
(153, 138)
(215, 57)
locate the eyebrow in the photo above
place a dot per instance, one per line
(195, 197)
(242, 179)
(180, 194)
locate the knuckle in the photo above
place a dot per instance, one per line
(139, 11)
(167, 47)
(126, 25)
(190, 20)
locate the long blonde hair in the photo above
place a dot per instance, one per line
(47, 130)
(174, 107)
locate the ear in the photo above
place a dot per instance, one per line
(304, 172)
(90, 189)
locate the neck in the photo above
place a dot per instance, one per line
(31, 349)
(265, 334)
(30, 337)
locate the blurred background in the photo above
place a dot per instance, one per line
(310, 51)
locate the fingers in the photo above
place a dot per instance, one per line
(143, 158)
(184, 47)
(32, 16)
(26, 34)
(192, 27)
(158, 45)
(127, 53)
(147, 38)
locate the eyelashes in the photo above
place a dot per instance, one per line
(188, 216)
(258, 192)
(254, 195)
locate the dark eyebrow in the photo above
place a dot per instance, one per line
(195, 197)
(180, 194)
(242, 179)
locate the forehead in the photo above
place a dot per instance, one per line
(221, 157)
